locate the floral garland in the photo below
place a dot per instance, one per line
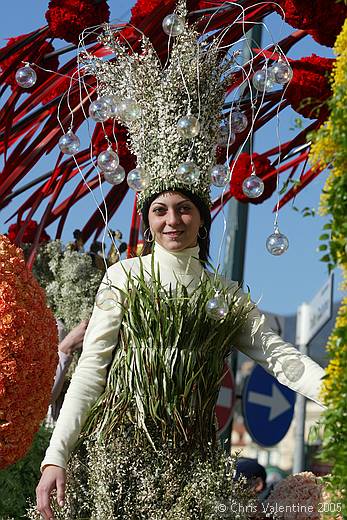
(68, 18)
(28, 354)
(309, 89)
(329, 149)
(243, 169)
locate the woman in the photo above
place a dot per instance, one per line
(178, 226)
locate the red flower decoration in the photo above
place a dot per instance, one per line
(243, 169)
(27, 54)
(28, 354)
(68, 18)
(29, 234)
(323, 19)
(309, 88)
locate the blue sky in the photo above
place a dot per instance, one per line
(282, 283)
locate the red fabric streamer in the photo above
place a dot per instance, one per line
(309, 89)
(68, 18)
(243, 169)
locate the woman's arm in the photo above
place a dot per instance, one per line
(89, 378)
(291, 368)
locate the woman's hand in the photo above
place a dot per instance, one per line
(53, 477)
(74, 340)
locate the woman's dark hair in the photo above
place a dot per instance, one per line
(204, 243)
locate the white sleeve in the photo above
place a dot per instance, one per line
(291, 368)
(88, 380)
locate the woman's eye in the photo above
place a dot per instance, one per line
(184, 208)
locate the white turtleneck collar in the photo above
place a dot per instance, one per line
(179, 262)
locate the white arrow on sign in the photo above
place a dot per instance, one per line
(277, 403)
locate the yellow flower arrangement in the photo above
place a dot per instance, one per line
(28, 354)
(329, 149)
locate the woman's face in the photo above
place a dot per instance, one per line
(174, 221)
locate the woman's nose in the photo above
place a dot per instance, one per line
(173, 217)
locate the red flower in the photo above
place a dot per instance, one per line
(27, 54)
(28, 354)
(243, 169)
(68, 18)
(323, 19)
(309, 89)
(29, 233)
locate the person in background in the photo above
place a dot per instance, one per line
(68, 344)
(255, 475)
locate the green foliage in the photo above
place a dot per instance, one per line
(18, 482)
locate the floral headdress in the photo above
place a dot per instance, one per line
(172, 111)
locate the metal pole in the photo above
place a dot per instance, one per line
(302, 323)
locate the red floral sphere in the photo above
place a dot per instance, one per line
(26, 54)
(323, 19)
(28, 354)
(68, 18)
(243, 169)
(29, 233)
(309, 88)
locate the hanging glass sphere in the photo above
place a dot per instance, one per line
(238, 122)
(108, 160)
(99, 110)
(106, 299)
(69, 143)
(26, 77)
(217, 307)
(188, 172)
(173, 25)
(114, 104)
(263, 80)
(277, 244)
(137, 180)
(115, 177)
(253, 186)
(225, 136)
(281, 72)
(129, 110)
(219, 175)
(188, 126)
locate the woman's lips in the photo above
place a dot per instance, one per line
(173, 233)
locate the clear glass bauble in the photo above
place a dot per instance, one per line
(277, 244)
(106, 299)
(188, 172)
(188, 126)
(26, 77)
(137, 180)
(238, 122)
(217, 307)
(69, 143)
(99, 110)
(263, 80)
(108, 160)
(114, 104)
(225, 136)
(173, 25)
(219, 175)
(281, 72)
(115, 177)
(253, 186)
(129, 110)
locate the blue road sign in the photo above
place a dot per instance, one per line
(268, 407)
